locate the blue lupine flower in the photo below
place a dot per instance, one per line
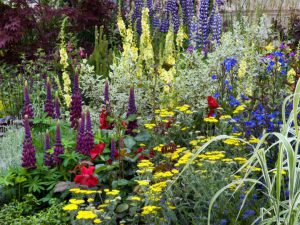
(248, 213)
(213, 77)
(223, 222)
(216, 95)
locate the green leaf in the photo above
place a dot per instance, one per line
(121, 182)
(122, 207)
(20, 179)
(143, 136)
(129, 142)
(100, 167)
(131, 117)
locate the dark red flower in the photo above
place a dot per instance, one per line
(86, 177)
(97, 150)
(104, 125)
(212, 102)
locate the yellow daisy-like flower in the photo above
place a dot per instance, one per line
(211, 120)
(112, 192)
(70, 207)
(76, 201)
(97, 221)
(270, 47)
(86, 214)
(143, 182)
(135, 198)
(90, 200)
(150, 209)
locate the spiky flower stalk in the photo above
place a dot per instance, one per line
(28, 153)
(80, 135)
(57, 107)
(49, 106)
(112, 149)
(106, 93)
(137, 15)
(219, 30)
(76, 104)
(58, 148)
(27, 109)
(203, 31)
(89, 136)
(47, 155)
(172, 8)
(132, 125)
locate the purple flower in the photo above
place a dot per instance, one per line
(106, 93)
(172, 9)
(28, 153)
(112, 149)
(88, 136)
(49, 106)
(137, 15)
(203, 22)
(58, 148)
(47, 156)
(132, 110)
(81, 135)
(27, 109)
(57, 107)
(76, 107)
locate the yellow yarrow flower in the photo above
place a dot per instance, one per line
(86, 214)
(211, 120)
(112, 192)
(150, 126)
(150, 209)
(135, 198)
(70, 207)
(97, 221)
(76, 201)
(158, 187)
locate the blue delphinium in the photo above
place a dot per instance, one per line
(248, 213)
(229, 63)
(223, 222)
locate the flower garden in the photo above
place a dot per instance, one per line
(148, 112)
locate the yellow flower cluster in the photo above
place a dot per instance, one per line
(65, 75)
(145, 166)
(181, 36)
(175, 155)
(211, 120)
(150, 126)
(231, 141)
(76, 201)
(143, 182)
(291, 76)
(184, 109)
(121, 26)
(150, 209)
(240, 160)
(162, 175)
(225, 117)
(212, 156)
(253, 140)
(283, 172)
(146, 49)
(70, 207)
(158, 187)
(164, 113)
(158, 148)
(87, 192)
(135, 198)
(97, 221)
(242, 68)
(86, 214)
(184, 159)
(239, 109)
(112, 192)
(270, 47)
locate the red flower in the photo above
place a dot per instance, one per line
(97, 150)
(212, 102)
(103, 119)
(86, 177)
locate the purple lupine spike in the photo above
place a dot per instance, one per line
(137, 15)
(58, 148)
(28, 153)
(219, 30)
(112, 149)
(49, 106)
(172, 8)
(193, 32)
(164, 26)
(89, 136)
(80, 135)
(132, 125)
(219, 2)
(156, 16)
(149, 4)
(47, 155)
(188, 11)
(57, 107)
(27, 109)
(106, 93)
(203, 22)
(76, 104)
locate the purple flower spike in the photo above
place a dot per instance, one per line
(89, 136)
(57, 107)
(106, 93)
(112, 149)
(47, 156)
(76, 107)
(28, 154)
(58, 148)
(132, 125)
(49, 106)
(27, 109)
(80, 135)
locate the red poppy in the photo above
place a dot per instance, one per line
(97, 150)
(104, 125)
(86, 177)
(212, 102)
